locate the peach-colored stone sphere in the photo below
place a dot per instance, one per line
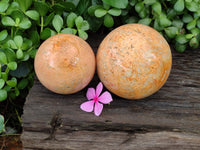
(134, 61)
(64, 63)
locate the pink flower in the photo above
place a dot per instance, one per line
(95, 100)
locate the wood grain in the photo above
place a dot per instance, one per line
(169, 119)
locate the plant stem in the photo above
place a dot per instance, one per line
(42, 24)
(12, 32)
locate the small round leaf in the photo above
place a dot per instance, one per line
(115, 12)
(71, 19)
(57, 23)
(19, 54)
(2, 83)
(108, 21)
(3, 35)
(100, 12)
(18, 41)
(3, 95)
(3, 58)
(33, 14)
(12, 65)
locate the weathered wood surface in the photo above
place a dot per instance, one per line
(169, 119)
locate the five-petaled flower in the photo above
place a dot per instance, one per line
(95, 100)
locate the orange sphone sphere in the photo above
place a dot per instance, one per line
(134, 61)
(64, 63)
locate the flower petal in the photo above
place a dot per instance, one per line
(105, 98)
(90, 93)
(87, 106)
(98, 108)
(99, 89)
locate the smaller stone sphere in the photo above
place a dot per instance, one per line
(134, 61)
(64, 63)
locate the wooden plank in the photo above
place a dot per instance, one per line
(108, 140)
(175, 107)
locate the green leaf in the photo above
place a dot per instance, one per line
(12, 65)
(82, 6)
(115, 12)
(179, 5)
(187, 18)
(12, 82)
(117, 3)
(157, 8)
(177, 23)
(92, 9)
(143, 13)
(85, 26)
(192, 6)
(18, 41)
(74, 31)
(19, 54)
(67, 30)
(3, 6)
(34, 37)
(8, 21)
(171, 32)
(10, 54)
(4, 76)
(133, 2)
(131, 19)
(189, 36)
(106, 6)
(22, 84)
(3, 58)
(100, 12)
(139, 7)
(157, 26)
(24, 4)
(11, 44)
(3, 35)
(71, 20)
(12, 7)
(78, 22)
(2, 83)
(150, 2)
(181, 39)
(26, 57)
(108, 21)
(194, 43)
(195, 31)
(25, 23)
(2, 125)
(3, 95)
(26, 44)
(180, 47)
(46, 33)
(68, 6)
(33, 14)
(23, 69)
(164, 21)
(41, 7)
(94, 23)
(82, 34)
(48, 19)
(191, 25)
(145, 21)
(171, 14)
(57, 23)
(32, 53)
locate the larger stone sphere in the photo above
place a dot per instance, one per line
(64, 63)
(134, 61)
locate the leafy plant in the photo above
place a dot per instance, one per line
(2, 125)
